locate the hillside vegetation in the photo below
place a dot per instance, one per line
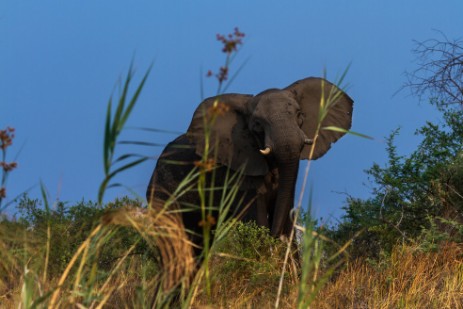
(400, 248)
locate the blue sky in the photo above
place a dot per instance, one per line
(61, 60)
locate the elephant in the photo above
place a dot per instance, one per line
(262, 137)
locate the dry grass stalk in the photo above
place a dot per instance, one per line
(164, 229)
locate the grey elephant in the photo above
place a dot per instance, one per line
(262, 137)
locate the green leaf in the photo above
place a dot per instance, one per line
(117, 127)
(128, 155)
(141, 143)
(102, 189)
(113, 127)
(107, 140)
(128, 165)
(43, 190)
(41, 300)
(337, 129)
(154, 130)
(134, 99)
(341, 79)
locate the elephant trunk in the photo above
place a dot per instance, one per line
(281, 224)
(288, 142)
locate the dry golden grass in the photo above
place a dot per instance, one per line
(408, 279)
(165, 229)
(131, 282)
(248, 283)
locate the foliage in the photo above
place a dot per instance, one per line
(68, 229)
(413, 195)
(245, 268)
(70, 226)
(247, 263)
(110, 259)
(412, 192)
(406, 239)
(417, 198)
(253, 248)
(88, 256)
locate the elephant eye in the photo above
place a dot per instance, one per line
(257, 127)
(300, 118)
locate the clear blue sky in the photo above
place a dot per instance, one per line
(61, 60)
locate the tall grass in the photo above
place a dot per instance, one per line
(408, 278)
(142, 257)
(134, 257)
(83, 282)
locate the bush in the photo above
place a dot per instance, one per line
(68, 227)
(246, 266)
(414, 196)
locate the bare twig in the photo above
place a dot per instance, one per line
(440, 71)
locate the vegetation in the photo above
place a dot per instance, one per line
(407, 278)
(416, 198)
(400, 248)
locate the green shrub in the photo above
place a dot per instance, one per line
(246, 267)
(69, 227)
(414, 197)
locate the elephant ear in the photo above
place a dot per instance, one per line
(311, 93)
(231, 143)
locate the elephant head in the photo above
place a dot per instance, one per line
(273, 130)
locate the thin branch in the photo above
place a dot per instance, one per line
(439, 75)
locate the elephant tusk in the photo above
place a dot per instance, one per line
(266, 151)
(308, 141)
